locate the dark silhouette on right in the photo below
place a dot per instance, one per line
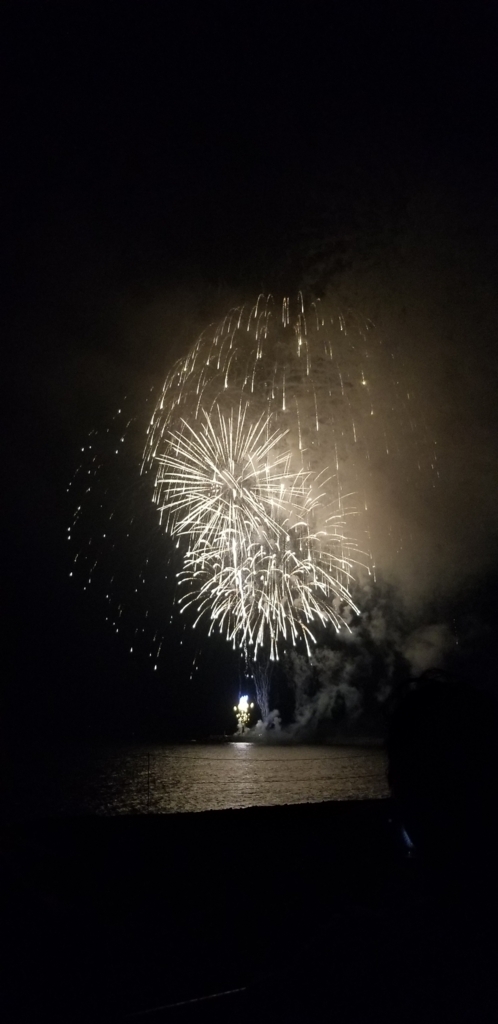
(422, 948)
(442, 772)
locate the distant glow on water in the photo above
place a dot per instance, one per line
(243, 711)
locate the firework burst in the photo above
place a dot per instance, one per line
(259, 438)
(226, 483)
(266, 555)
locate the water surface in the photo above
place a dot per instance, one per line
(198, 777)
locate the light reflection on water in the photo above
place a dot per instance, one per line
(196, 777)
(199, 777)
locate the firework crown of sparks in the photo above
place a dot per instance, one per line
(237, 482)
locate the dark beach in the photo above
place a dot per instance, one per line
(110, 916)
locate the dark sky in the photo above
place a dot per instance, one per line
(158, 158)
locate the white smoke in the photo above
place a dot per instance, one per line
(326, 686)
(428, 647)
(345, 686)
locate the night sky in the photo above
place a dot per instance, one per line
(161, 162)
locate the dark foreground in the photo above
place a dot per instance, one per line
(109, 917)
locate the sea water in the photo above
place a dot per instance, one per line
(163, 779)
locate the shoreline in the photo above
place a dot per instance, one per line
(212, 895)
(281, 739)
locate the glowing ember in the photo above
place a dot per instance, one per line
(243, 712)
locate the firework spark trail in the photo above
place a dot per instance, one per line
(269, 596)
(264, 557)
(225, 481)
(226, 490)
(261, 675)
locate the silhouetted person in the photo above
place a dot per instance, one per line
(441, 749)
(429, 955)
(442, 771)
